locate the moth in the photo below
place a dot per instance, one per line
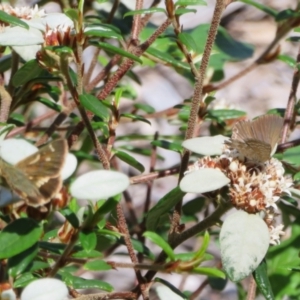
(257, 139)
(36, 179)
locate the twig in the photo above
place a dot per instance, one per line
(251, 289)
(196, 103)
(289, 118)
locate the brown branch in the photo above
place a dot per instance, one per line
(107, 296)
(289, 117)
(196, 103)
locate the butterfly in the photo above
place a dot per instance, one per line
(257, 139)
(36, 179)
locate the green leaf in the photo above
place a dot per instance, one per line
(168, 145)
(49, 104)
(231, 47)
(151, 10)
(272, 12)
(217, 283)
(292, 156)
(188, 41)
(190, 2)
(5, 17)
(159, 241)
(117, 50)
(224, 114)
(262, 281)
(28, 71)
(135, 118)
(171, 287)
(56, 247)
(164, 56)
(87, 254)
(145, 107)
(290, 61)
(18, 263)
(5, 63)
(94, 105)
(297, 176)
(88, 240)
(286, 14)
(70, 216)
(209, 272)
(72, 13)
(139, 247)
(37, 265)
(194, 206)
(81, 283)
(163, 206)
(102, 31)
(24, 280)
(129, 160)
(181, 11)
(18, 236)
(97, 265)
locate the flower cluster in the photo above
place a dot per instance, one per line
(252, 188)
(25, 13)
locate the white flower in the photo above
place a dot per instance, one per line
(275, 233)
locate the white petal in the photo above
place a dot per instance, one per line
(98, 185)
(203, 180)
(45, 289)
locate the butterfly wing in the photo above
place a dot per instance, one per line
(256, 139)
(47, 162)
(36, 179)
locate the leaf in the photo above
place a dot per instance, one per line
(158, 240)
(97, 265)
(100, 184)
(28, 71)
(45, 288)
(18, 263)
(87, 254)
(193, 206)
(129, 160)
(168, 145)
(203, 181)
(7, 18)
(206, 145)
(224, 114)
(169, 291)
(272, 12)
(290, 61)
(188, 41)
(94, 105)
(70, 216)
(117, 50)
(18, 236)
(181, 11)
(163, 206)
(151, 10)
(209, 272)
(145, 107)
(88, 240)
(190, 2)
(135, 118)
(262, 281)
(231, 47)
(49, 104)
(81, 283)
(24, 280)
(244, 241)
(292, 156)
(102, 31)
(164, 56)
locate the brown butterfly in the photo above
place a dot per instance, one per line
(257, 139)
(36, 179)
